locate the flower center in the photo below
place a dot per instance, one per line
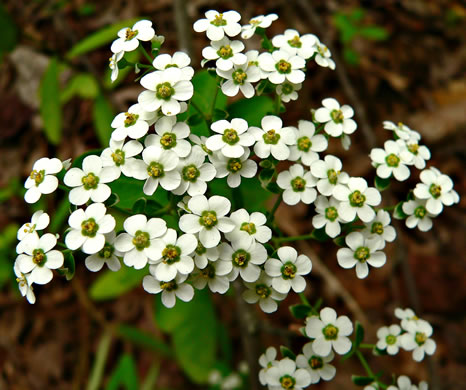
(208, 272)
(295, 42)
(107, 251)
(248, 227)
(171, 66)
(392, 160)
(316, 362)
(225, 52)
(420, 212)
(219, 21)
(298, 184)
(200, 249)
(377, 228)
(362, 254)
(255, 22)
(304, 144)
(169, 286)
(155, 170)
(271, 137)
(208, 219)
(241, 258)
(283, 67)
(141, 240)
(330, 332)
(168, 140)
(171, 254)
(263, 291)
(331, 213)
(253, 63)
(130, 34)
(130, 119)
(357, 199)
(390, 339)
(164, 91)
(435, 190)
(29, 228)
(118, 157)
(234, 165)
(322, 50)
(90, 181)
(89, 227)
(287, 89)
(288, 270)
(39, 257)
(337, 116)
(230, 136)
(190, 173)
(287, 382)
(420, 338)
(413, 148)
(239, 76)
(37, 176)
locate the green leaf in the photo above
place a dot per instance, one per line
(219, 114)
(379, 352)
(139, 206)
(357, 14)
(194, 120)
(287, 353)
(113, 200)
(69, 266)
(265, 176)
(111, 284)
(125, 375)
(373, 33)
(144, 339)
(193, 327)
(340, 241)
(99, 38)
(319, 235)
(82, 85)
(381, 184)
(103, 115)
(50, 108)
(398, 213)
(8, 32)
(273, 188)
(350, 56)
(300, 311)
(359, 334)
(252, 110)
(362, 380)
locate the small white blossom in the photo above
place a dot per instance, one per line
(337, 119)
(330, 174)
(262, 21)
(253, 61)
(245, 257)
(293, 43)
(284, 375)
(288, 91)
(177, 288)
(178, 60)
(404, 383)
(329, 331)
(280, 65)
(327, 215)
(214, 275)
(226, 53)
(233, 137)
(323, 55)
(287, 273)
(203, 255)
(406, 315)
(390, 161)
(239, 78)
(417, 339)
(218, 24)
(42, 179)
(24, 285)
(249, 227)
(200, 141)
(171, 135)
(262, 291)
(113, 64)
(298, 185)
(379, 228)
(401, 130)
(107, 255)
(234, 168)
(90, 181)
(418, 216)
(121, 155)
(317, 366)
(267, 360)
(39, 221)
(128, 38)
(414, 153)
(307, 143)
(389, 339)
(134, 123)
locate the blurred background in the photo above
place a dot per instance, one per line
(402, 61)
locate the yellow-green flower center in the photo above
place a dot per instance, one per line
(200, 249)
(208, 219)
(420, 338)
(248, 227)
(241, 258)
(295, 42)
(332, 176)
(239, 76)
(283, 67)
(234, 165)
(287, 88)
(39, 257)
(316, 362)
(168, 286)
(225, 52)
(168, 140)
(392, 160)
(230, 136)
(263, 291)
(90, 181)
(390, 339)
(271, 137)
(171, 254)
(89, 227)
(322, 50)
(413, 148)
(130, 119)
(337, 116)
(37, 176)
(377, 228)
(330, 332)
(219, 21)
(164, 91)
(118, 157)
(435, 190)
(362, 253)
(130, 34)
(288, 270)
(141, 240)
(107, 251)
(357, 199)
(331, 213)
(287, 382)
(155, 170)
(304, 144)
(208, 272)
(420, 212)
(298, 184)
(190, 173)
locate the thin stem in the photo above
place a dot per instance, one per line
(196, 107)
(294, 238)
(277, 104)
(364, 363)
(146, 54)
(274, 208)
(367, 346)
(304, 299)
(64, 188)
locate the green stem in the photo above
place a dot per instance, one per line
(196, 107)
(212, 107)
(146, 54)
(64, 188)
(98, 368)
(294, 238)
(304, 300)
(369, 372)
(277, 104)
(237, 198)
(274, 208)
(367, 346)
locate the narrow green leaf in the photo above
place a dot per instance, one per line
(82, 85)
(382, 184)
(50, 108)
(143, 339)
(265, 176)
(98, 367)
(139, 206)
(300, 311)
(287, 353)
(398, 213)
(373, 33)
(69, 266)
(340, 241)
(319, 235)
(359, 334)
(125, 375)
(362, 380)
(103, 115)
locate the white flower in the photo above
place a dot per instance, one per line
(134, 123)
(417, 339)
(267, 360)
(389, 339)
(285, 375)
(249, 227)
(330, 174)
(405, 315)
(361, 252)
(113, 64)
(158, 166)
(170, 136)
(226, 53)
(253, 60)
(88, 228)
(323, 56)
(39, 221)
(39, 259)
(165, 90)
(418, 215)
(272, 138)
(404, 383)
(380, 228)
(138, 243)
(298, 185)
(245, 258)
(121, 156)
(25, 287)
(262, 291)
(293, 43)
(203, 255)
(401, 130)
(41, 180)
(307, 143)
(239, 78)
(233, 137)
(90, 181)
(194, 173)
(128, 38)
(390, 161)
(172, 255)
(287, 272)
(436, 188)
(262, 21)
(171, 290)
(356, 199)
(234, 168)
(317, 366)
(288, 91)
(217, 24)
(329, 331)
(200, 141)
(414, 153)
(215, 275)
(327, 215)
(280, 65)
(107, 255)
(208, 218)
(337, 119)
(178, 60)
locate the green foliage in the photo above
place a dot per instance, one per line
(8, 32)
(69, 267)
(7, 239)
(287, 353)
(382, 184)
(398, 213)
(83, 85)
(143, 339)
(253, 110)
(194, 330)
(300, 311)
(103, 115)
(131, 58)
(50, 108)
(361, 380)
(359, 335)
(125, 375)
